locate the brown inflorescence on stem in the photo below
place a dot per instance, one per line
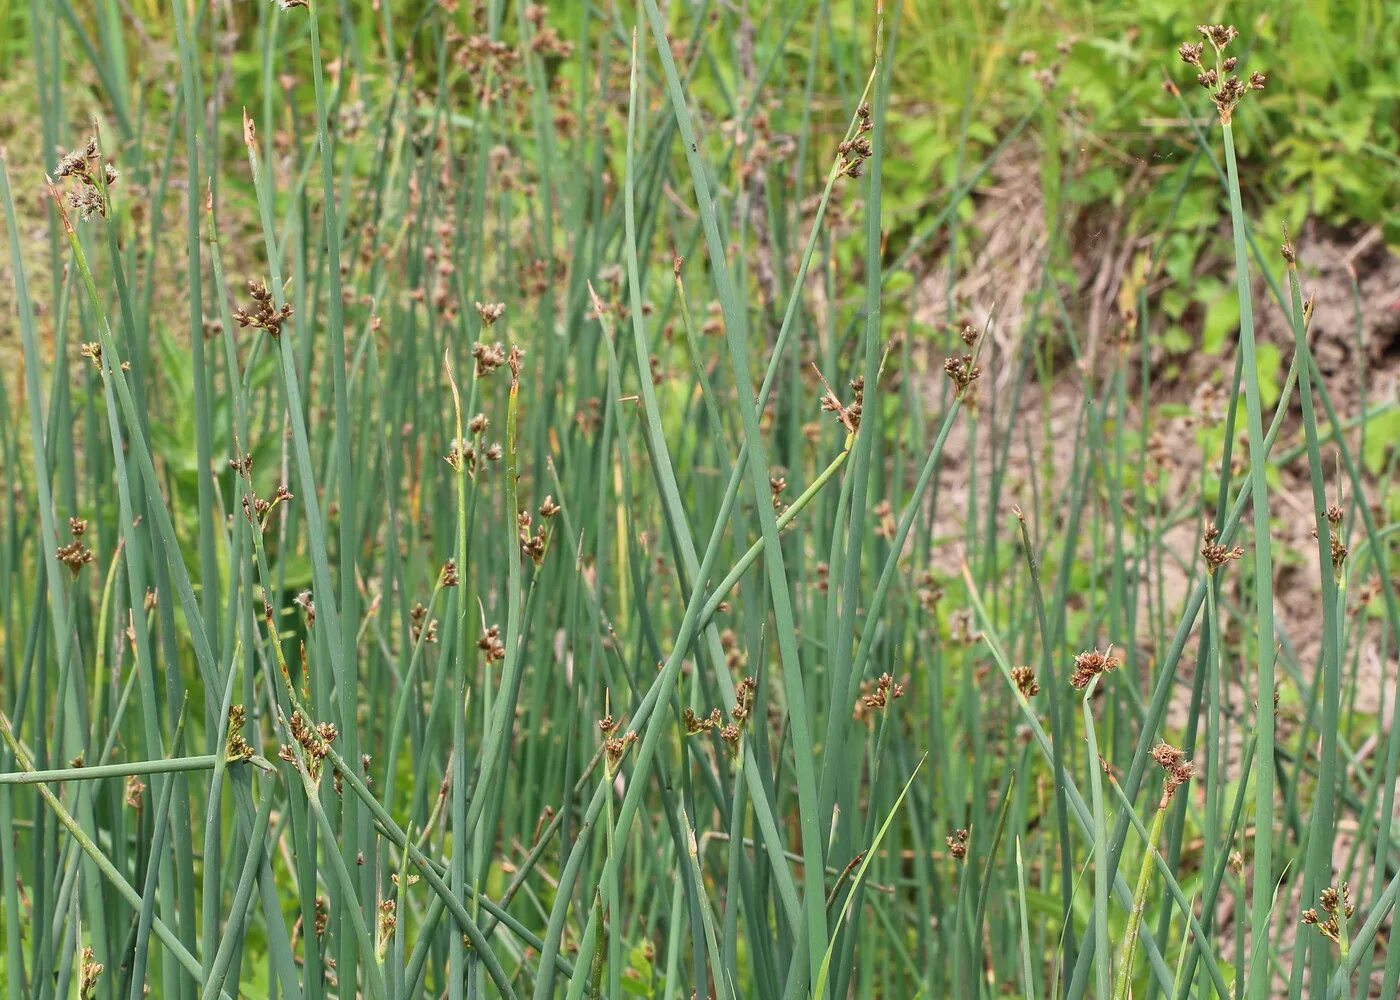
(1226, 89)
(857, 149)
(491, 645)
(263, 316)
(1025, 681)
(87, 986)
(490, 312)
(488, 357)
(963, 371)
(236, 748)
(1179, 769)
(420, 626)
(1335, 902)
(957, 844)
(1216, 554)
(314, 741)
(85, 195)
(1091, 664)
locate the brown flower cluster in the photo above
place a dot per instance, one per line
(856, 150)
(886, 690)
(315, 742)
(264, 316)
(930, 592)
(963, 371)
(322, 919)
(1025, 681)
(1226, 89)
(255, 507)
(533, 544)
(957, 844)
(387, 922)
(92, 350)
(848, 415)
(1091, 664)
(490, 644)
(1216, 554)
(776, 486)
(75, 555)
(1336, 903)
(308, 607)
(87, 984)
(236, 748)
(488, 357)
(614, 746)
(86, 195)
(1179, 769)
(490, 312)
(133, 792)
(732, 731)
(420, 626)
(1335, 515)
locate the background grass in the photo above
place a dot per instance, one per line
(684, 644)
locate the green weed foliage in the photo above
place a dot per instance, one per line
(487, 513)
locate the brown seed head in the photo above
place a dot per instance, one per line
(1091, 664)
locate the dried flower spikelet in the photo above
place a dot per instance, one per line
(449, 573)
(856, 150)
(533, 545)
(308, 607)
(1091, 664)
(491, 645)
(1179, 769)
(387, 922)
(134, 791)
(848, 415)
(615, 747)
(743, 699)
(420, 627)
(694, 725)
(776, 486)
(957, 844)
(236, 748)
(886, 690)
(1215, 554)
(1226, 89)
(962, 371)
(75, 555)
(490, 311)
(314, 740)
(85, 194)
(91, 971)
(1335, 902)
(263, 315)
(1025, 681)
(488, 357)
(549, 508)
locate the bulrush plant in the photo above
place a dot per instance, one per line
(547, 575)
